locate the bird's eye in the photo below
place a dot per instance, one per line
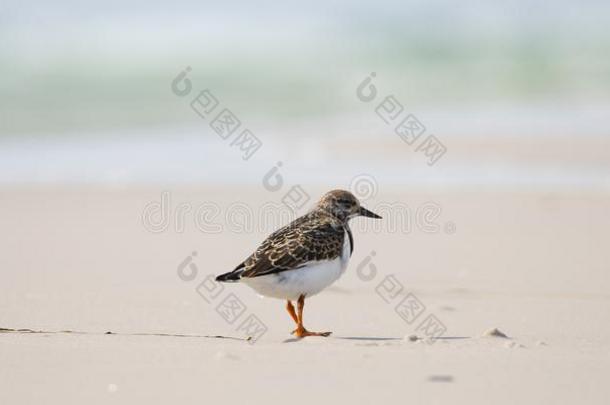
(343, 201)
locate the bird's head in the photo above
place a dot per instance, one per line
(343, 205)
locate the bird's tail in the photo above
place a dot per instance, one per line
(230, 277)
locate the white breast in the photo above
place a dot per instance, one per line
(346, 253)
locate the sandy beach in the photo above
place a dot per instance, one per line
(147, 147)
(80, 260)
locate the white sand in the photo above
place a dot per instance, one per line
(533, 265)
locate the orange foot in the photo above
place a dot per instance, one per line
(301, 332)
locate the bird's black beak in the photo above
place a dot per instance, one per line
(366, 213)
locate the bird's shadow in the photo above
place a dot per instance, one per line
(368, 338)
(379, 338)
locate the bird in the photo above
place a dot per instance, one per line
(304, 257)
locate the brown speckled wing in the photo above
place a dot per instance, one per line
(308, 239)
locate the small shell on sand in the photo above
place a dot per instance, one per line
(495, 332)
(441, 378)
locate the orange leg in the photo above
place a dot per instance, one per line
(300, 331)
(290, 309)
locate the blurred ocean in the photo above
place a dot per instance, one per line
(86, 90)
(194, 157)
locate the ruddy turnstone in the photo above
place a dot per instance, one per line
(304, 257)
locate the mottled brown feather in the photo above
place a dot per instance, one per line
(315, 236)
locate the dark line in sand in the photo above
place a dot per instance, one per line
(75, 332)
